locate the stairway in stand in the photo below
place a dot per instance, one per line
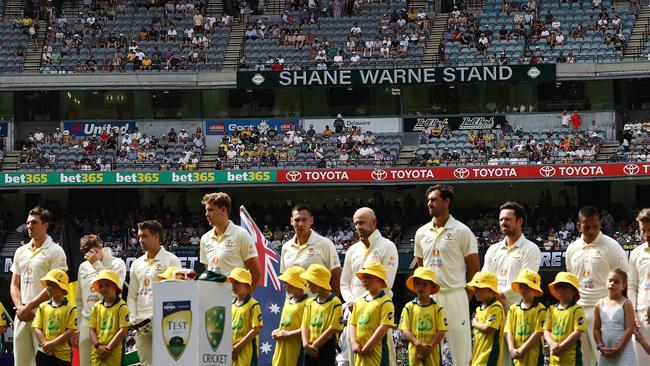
(639, 36)
(231, 61)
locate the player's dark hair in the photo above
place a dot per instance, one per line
(588, 212)
(520, 213)
(42, 214)
(88, 242)
(301, 207)
(153, 226)
(446, 191)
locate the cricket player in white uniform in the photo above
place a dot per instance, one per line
(450, 249)
(227, 246)
(97, 258)
(509, 256)
(638, 284)
(32, 262)
(307, 247)
(591, 257)
(371, 247)
(144, 272)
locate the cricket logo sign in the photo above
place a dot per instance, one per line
(176, 326)
(214, 325)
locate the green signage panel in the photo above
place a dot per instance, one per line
(397, 76)
(136, 178)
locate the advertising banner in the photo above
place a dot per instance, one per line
(325, 176)
(376, 125)
(139, 178)
(395, 76)
(4, 129)
(192, 323)
(95, 127)
(223, 126)
(418, 124)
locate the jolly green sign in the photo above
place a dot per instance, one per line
(136, 178)
(396, 76)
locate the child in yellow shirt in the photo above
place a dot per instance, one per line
(288, 346)
(525, 321)
(372, 317)
(423, 321)
(488, 321)
(246, 319)
(109, 321)
(55, 322)
(565, 321)
(322, 319)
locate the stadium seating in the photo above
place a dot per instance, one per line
(337, 31)
(587, 48)
(10, 39)
(531, 147)
(126, 29)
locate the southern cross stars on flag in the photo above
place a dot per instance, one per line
(270, 293)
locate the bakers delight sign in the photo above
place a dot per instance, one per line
(454, 122)
(463, 173)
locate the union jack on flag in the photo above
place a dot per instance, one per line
(270, 292)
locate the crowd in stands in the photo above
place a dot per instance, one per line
(311, 45)
(529, 32)
(635, 143)
(259, 148)
(439, 145)
(165, 35)
(108, 150)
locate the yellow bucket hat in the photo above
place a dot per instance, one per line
(109, 275)
(168, 274)
(292, 276)
(319, 275)
(373, 269)
(240, 275)
(565, 277)
(59, 277)
(529, 278)
(483, 279)
(425, 274)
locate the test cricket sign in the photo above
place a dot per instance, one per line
(191, 323)
(396, 76)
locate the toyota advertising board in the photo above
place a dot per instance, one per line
(376, 125)
(464, 173)
(223, 126)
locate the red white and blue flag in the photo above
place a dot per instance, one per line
(270, 293)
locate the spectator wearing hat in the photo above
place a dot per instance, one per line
(109, 320)
(424, 342)
(489, 319)
(55, 322)
(339, 124)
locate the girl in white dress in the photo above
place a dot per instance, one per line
(614, 323)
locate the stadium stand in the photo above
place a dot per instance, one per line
(561, 32)
(14, 41)
(635, 144)
(375, 35)
(442, 147)
(131, 151)
(124, 37)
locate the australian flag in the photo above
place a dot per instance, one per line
(270, 292)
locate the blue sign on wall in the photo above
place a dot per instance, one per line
(4, 129)
(94, 127)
